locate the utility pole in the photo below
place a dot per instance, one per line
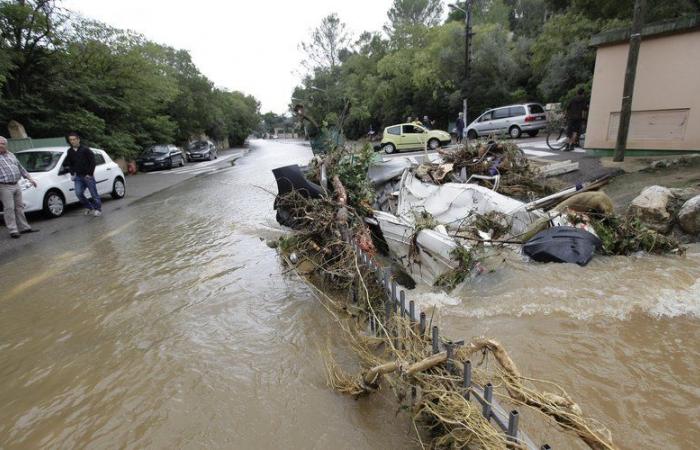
(467, 54)
(630, 73)
(467, 61)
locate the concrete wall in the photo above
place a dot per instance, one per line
(666, 101)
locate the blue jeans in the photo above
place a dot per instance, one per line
(82, 183)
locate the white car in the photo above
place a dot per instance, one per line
(54, 184)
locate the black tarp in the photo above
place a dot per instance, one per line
(291, 178)
(562, 244)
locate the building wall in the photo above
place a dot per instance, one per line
(666, 100)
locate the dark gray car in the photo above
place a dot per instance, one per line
(513, 120)
(202, 151)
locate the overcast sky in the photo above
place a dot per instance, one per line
(249, 46)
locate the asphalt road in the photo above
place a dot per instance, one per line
(138, 187)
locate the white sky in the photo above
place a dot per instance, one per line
(249, 46)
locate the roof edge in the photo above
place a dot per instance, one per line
(656, 29)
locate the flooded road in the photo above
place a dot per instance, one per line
(170, 324)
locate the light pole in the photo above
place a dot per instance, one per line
(467, 55)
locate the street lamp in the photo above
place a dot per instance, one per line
(467, 52)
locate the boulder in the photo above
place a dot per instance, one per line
(16, 130)
(679, 197)
(651, 206)
(689, 216)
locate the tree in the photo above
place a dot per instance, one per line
(409, 19)
(412, 13)
(121, 91)
(327, 41)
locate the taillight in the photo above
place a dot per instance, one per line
(530, 118)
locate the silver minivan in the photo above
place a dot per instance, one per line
(513, 120)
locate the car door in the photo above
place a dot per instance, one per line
(64, 180)
(484, 123)
(412, 136)
(517, 115)
(500, 122)
(102, 174)
(174, 155)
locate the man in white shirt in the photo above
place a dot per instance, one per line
(11, 171)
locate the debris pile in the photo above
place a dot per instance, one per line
(440, 220)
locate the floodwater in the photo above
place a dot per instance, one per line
(170, 324)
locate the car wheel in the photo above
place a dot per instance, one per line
(433, 144)
(533, 133)
(514, 132)
(389, 149)
(471, 134)
(216, 155)
(54, 204)
(118, 188)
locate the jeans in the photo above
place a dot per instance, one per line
(82, 183)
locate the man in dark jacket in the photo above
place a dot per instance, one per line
(574, 117)
(81, 162)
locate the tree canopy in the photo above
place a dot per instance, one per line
(61, 72)
(522, 50)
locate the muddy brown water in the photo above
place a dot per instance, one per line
(170, 324)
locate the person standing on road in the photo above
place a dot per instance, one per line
(574, 118)
(11, 171)
(460, 127)
(81, 162)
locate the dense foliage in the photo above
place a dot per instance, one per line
(521, 50)
(61, 72)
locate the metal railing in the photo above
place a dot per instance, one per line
(507, 421)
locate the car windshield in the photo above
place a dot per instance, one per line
(38, 161)
(158, 149)
(198, 145)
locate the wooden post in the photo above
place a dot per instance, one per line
(630, 72)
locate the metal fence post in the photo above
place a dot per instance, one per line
(513, 419)
(450, 350)
(387, 312)
(402, 302)
(412, 312)
(436, 343)
(467, 382)
(422, 323)
(488, 398)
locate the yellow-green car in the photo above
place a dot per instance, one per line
(411, 136)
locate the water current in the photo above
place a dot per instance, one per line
(171, 324)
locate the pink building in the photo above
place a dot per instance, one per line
(666, 100)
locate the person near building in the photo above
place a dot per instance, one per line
(81, 163)
(574, 118)
(460, 127)
(11, 171)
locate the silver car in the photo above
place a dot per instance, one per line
(513, 120)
